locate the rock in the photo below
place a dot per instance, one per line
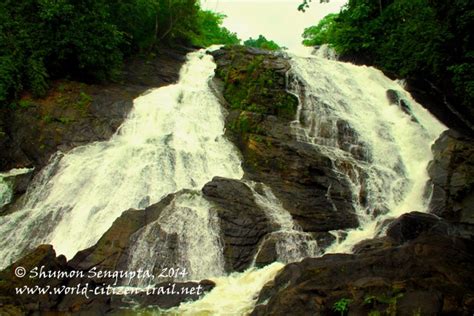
(452, 178)
(18, 180)
(255, 80)
(429, 275)
(442, 103)
(411, 225)
(299, 175)
(395, 98)
(303, 179)
(243, 224)
(267, 252)
(372, 244)
(43, 256)
(111, 252)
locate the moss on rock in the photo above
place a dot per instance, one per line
(255, 81)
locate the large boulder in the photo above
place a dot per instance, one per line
(422, 273)
(243, 223)
(112, 250)
(452, 178)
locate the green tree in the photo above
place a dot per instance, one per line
(408, 38)
(262, 42)
(209, 31)
(88, 39)
(321, 33)
(44, 38)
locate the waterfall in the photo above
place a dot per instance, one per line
(5, 191)
(377, 137)
(234, 295)
(380, 148)
(172, 140)
(291, 243)
(196, 231)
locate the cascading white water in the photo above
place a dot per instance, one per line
(291, 243)
(172, 140)
(234, 295)
(197, 233)
(379, 149)
(5, 191)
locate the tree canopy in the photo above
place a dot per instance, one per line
(88, 39)
(427, 38)
(262, 42)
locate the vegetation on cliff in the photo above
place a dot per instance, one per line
(254, 86)
(408, 38)
(87, 40)
(262, 42)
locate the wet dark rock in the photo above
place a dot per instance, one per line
(348, 140)
(42, 256)
(324, 239)
(304, 180)
(428, 275)
(452, 178)
(267, 252)
(411, 225)
(442, 104)
(395, 98)
(243, 224)
(373, 244)
(300, 176)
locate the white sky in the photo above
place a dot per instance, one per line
(278, 20)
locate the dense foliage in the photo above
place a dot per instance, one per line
(262, 42)
(427, 38)
(320, 34)
(88, 39)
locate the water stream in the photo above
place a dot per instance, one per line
(381, 150)
(172, 140)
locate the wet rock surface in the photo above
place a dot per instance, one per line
(242, 223)
(425, 272)
(452, 178)
(111, 252)
(299, 175)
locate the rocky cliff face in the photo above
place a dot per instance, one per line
(253, 84)
(422, 267)
(452, 178)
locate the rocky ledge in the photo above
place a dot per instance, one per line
(95, 301)
(422, 267)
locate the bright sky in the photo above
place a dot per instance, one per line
(278, 20)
